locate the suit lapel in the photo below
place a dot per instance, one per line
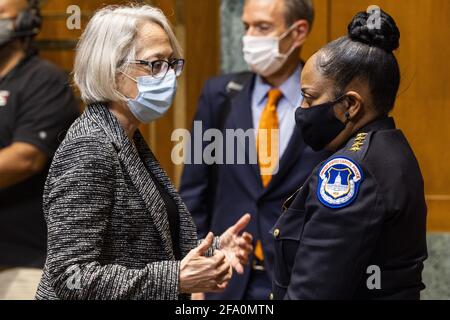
(147, 189)
(241, 118)
(188, 232)
(137, 171)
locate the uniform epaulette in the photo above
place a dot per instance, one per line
(359, 145)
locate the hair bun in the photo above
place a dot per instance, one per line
(383, 34)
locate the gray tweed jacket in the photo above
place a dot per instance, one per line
(108, 230)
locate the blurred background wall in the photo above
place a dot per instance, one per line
(210, 32)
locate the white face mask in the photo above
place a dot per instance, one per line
(262, 54)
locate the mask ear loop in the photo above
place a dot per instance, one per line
(284, 36)
(287, 32)
(347, 113)
(129, 77)
(120, 93)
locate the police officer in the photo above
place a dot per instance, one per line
(357, 227)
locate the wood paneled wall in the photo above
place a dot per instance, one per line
(422, 110)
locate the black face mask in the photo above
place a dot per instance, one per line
(6, 31)
(319, 125)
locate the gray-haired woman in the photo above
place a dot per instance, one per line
(117, 229)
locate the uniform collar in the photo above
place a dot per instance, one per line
(384, 123)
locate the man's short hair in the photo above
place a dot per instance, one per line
(299, 10)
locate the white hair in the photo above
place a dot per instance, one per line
(108, 41)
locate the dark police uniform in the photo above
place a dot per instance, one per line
(357, 228)
(36, 107)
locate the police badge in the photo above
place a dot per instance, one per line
(339, 180)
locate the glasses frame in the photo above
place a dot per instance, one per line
(172, 64)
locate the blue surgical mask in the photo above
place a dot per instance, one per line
(154, 98)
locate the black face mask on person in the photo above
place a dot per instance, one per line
(7, 32)
(319, 125)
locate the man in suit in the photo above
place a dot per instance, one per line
(264, 100)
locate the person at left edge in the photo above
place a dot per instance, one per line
(37, 106)
(117, 228)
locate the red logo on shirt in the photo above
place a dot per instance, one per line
(3, 98)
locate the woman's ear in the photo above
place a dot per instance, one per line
(119, 80)
(354, 102)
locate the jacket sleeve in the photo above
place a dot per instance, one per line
(79, 198)
(196, 179)
(335, 246)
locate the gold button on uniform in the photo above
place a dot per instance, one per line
(271, 296)
(276, 233)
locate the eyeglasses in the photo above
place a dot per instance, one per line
(159, 68)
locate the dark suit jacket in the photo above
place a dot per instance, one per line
(238, 187)
(108, 229)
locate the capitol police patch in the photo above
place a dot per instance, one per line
(339, 180)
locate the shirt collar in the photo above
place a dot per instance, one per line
(290, 88)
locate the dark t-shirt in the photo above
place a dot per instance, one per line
(37, 106)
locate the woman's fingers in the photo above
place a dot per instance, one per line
(219, 276)
(248, 237)
(205, 274)
(242, 256)
(239, 267)
(222, 282)
(222, 270)
(241, 224)
(219, 258)
(245, 244)
(205, 245)
(245, 248)
(219, 288)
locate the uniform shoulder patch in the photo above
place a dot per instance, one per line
(339, 180)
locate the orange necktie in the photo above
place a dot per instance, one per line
(267, 148)
(267, 143)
